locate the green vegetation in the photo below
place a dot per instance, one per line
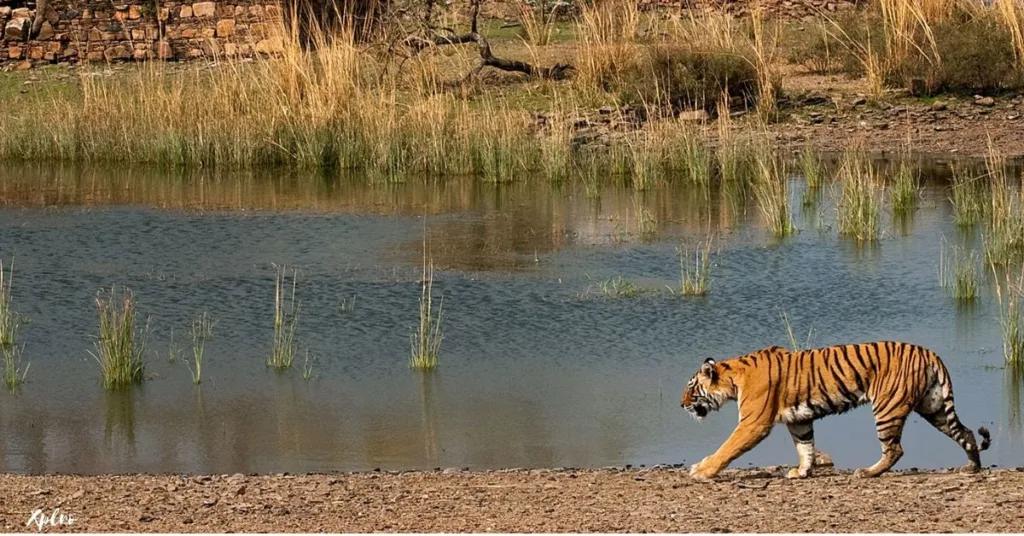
(1004, 235)
(426, 341)
(616, 287)
(810, 168)
(927, 46)
(861, 198)
(793, 343)
(286, 320)
(693, 275)
(968, 196)
(771, 189)
(13, 374)
(347, 305)
(905, 192)
(959, 273)
(202, 331)
(10, 325)
(9, 321)
(1010, 318)
(119, 349)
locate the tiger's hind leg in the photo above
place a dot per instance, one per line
(889, 426)
(941, 414)
(821, 459)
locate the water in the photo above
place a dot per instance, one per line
(537, 369)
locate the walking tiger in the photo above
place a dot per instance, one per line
(774, 385)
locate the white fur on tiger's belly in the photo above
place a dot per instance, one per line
(800, 413)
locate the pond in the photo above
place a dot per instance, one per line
(538, 367)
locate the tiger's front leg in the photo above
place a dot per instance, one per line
(743, 438)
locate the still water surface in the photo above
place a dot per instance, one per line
(537, 368)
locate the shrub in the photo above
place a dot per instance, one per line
(681, 78)
(967, 61)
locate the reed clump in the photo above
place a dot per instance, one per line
(120, 348)
(905, 191)
(959, 272)
(968, 195)
(1009, 292)
(10, 324)
(694, 270)
(794, 344)
(9, 320)
(618, 287)
(202, 331)
(771, 189)
(286, 320)
(1004, 235)
(425, 342)
(13, 373)
(860, 201)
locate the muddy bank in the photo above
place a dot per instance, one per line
(637, 500)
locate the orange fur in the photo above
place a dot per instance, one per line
(774, 385)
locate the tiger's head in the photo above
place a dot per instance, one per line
(705, 393)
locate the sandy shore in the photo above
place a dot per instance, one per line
(659, 499)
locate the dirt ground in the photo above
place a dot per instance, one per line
(608, 500)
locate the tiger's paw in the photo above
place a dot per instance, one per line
(970, 469)
(795, 473)
(703, 471)
(864, 473)
(822, 460)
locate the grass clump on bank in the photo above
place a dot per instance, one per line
(120, 349)
(286, 320)
(425, 342)
(927, 46)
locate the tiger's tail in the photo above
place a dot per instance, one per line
(960, 433)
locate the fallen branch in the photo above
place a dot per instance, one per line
(559, 71)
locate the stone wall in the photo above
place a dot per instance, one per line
(106, 30)
(788, 9)
(123, 30)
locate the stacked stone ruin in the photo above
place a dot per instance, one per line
(105, 30)
(53, 31)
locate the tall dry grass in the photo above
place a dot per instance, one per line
(607, 32)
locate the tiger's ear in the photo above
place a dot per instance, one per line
(708, 369)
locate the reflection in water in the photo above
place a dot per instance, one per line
(1014, 384)
(429, 418)
(119, 430)
(530, 374)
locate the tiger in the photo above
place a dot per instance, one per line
(774, 385)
